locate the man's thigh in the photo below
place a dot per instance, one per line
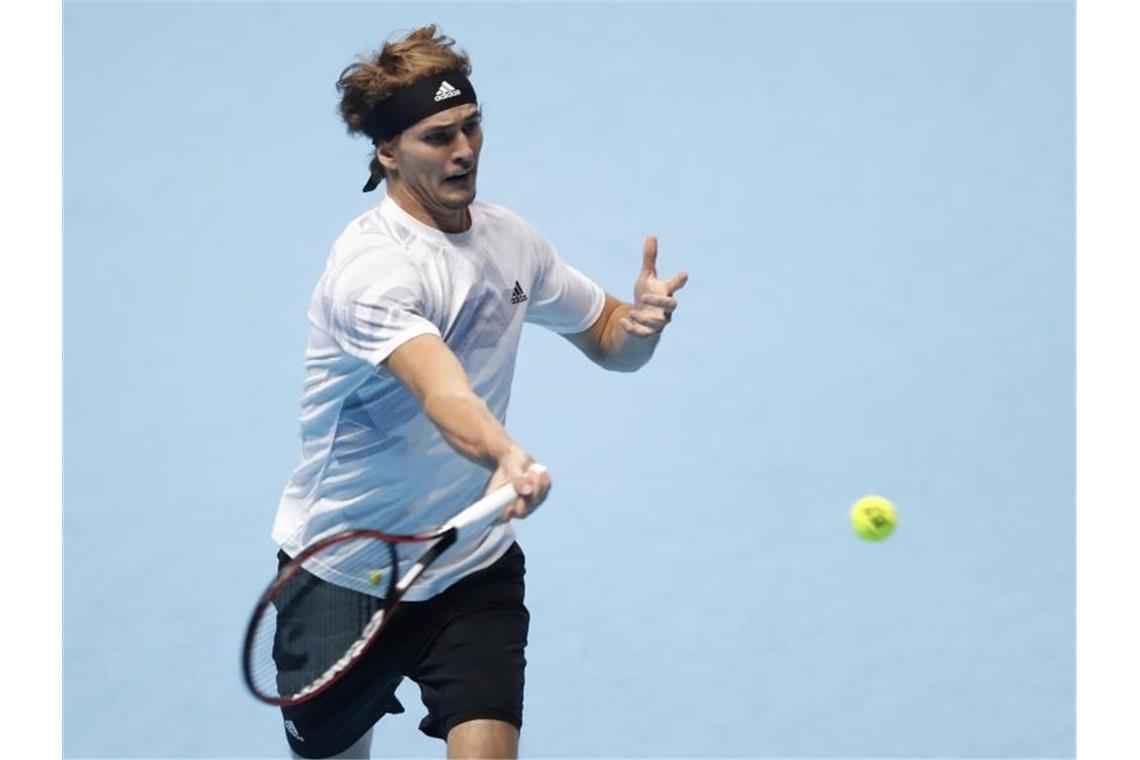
(482, 738)
(473, 668)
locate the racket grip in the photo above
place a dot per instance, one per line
(487, 510)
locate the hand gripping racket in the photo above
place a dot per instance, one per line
(298, 642)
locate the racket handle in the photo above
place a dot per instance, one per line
(487, 510)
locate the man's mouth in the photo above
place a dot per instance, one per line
(459, 179)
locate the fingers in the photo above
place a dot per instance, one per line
(667, 304)
(676, 282)
(654, 305)
(654, 319)
(637, 328)
(532, 487)
(653, 312)
(649, 256)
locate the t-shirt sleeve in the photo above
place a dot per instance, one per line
(563, 299)
(378, 308)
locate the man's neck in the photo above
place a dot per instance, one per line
(445, 220)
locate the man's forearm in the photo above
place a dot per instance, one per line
(469, 427)
(620, 351)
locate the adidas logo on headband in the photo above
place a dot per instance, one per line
(445, 91)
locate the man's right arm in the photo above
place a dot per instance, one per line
(434, 376)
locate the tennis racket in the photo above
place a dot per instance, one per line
(283, 667)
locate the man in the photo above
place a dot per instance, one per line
(414, 327)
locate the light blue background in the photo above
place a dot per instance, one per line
(875, 203)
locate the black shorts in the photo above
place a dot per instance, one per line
(464, 648)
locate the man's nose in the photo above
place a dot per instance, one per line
(464, 151)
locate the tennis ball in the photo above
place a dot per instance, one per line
(375, 576)
(873, 518)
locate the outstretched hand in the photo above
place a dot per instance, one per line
(653, 301)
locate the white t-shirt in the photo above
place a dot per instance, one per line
(370, 458)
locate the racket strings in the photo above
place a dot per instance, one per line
(310, 631)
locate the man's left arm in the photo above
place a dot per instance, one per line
(625, 335)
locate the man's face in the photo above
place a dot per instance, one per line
(437, 158)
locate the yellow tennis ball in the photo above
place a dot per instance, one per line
(873, 518)
(375, 576)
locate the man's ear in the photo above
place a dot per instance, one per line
(385, 155)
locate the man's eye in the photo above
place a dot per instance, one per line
(471, 127)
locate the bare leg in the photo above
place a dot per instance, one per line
(361, 749)
(483, 739)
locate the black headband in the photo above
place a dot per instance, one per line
(419, 100)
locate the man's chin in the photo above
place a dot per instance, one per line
(457, 200)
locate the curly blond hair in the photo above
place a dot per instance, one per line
(420, 53)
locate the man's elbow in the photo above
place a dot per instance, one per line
(614, 365)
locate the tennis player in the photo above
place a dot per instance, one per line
(414, 326)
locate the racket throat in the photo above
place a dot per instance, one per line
(446, 541)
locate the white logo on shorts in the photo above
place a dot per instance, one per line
(292, 729)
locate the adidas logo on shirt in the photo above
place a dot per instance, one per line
(445, 91)
(518, 296)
